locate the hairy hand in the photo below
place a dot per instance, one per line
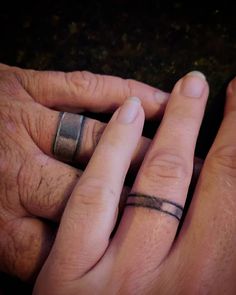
(34, 186)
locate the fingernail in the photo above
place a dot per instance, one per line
(161, 96)
(129, 110)
(193, 84)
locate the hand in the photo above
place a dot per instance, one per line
(143, 256)
(34, 186)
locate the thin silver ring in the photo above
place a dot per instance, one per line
(67, 138)
(155, 203)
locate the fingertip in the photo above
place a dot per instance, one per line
(161, 97)
(134, 98)
(231, 97)
(231, 89)
(139, 101)
(129, 110)
(192, 85)
(197, 74)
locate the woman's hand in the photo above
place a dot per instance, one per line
(34, 186)
(142, 256)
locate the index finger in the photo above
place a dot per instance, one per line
(85, 91)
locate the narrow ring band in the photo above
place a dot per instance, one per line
(155, 203)
(67, 139)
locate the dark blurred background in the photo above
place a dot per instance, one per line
(152, 41)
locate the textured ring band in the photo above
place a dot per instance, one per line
(67, 139)
(155, 203)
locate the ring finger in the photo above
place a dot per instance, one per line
(87, 133)
(154, 207)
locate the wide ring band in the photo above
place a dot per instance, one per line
(67, 139)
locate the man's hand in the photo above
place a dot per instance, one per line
(34, 186)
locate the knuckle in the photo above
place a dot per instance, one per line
(10, 153)
(7, 254)
(94, 193)
(76, 80)
(37, 84)
(223, 160)
(10, 248)
(13, 112)
(9, 83)
(167, 166)
(81, 82)
(33, 83)
(16, 250)
(39, 191)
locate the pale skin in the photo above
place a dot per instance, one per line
(34, 186)
(143, 257)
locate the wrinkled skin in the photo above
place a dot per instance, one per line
(34, 186)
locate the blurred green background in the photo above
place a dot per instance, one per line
(152, 41)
